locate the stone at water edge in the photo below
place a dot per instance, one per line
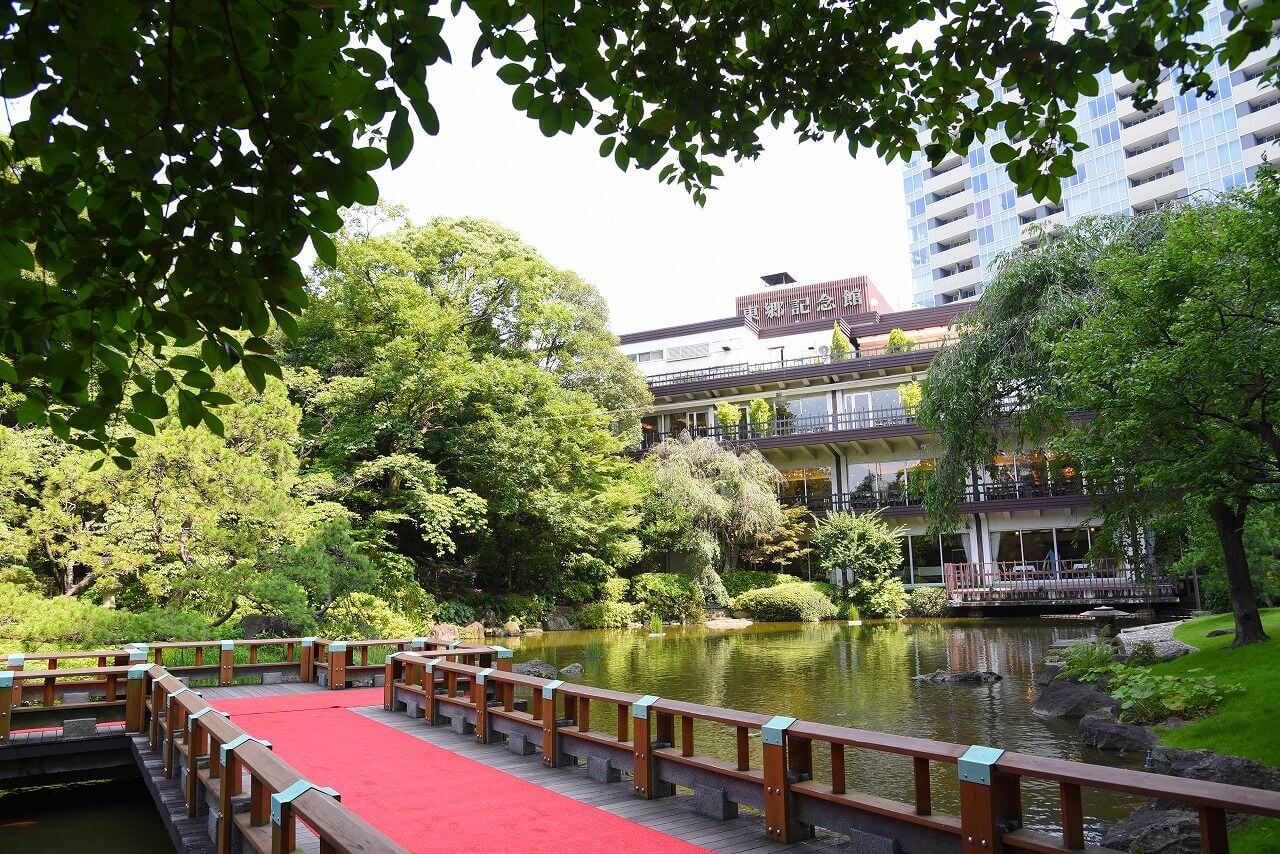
(947, 677)
(1100, 729)
(1063, 698)
(446, 632)
(727, 623)
(558, 621)
(536, 667)
(573, 670)
(1152, 830)
(511, 628)
(473, 630)
(1049, 671)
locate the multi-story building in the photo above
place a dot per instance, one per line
(965, 211)
(835, 427)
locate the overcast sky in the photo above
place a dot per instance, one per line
(810, 209)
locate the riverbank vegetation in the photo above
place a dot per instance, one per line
(1165, 329)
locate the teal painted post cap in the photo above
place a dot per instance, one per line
(279, 799)
(142, 646)
(502, 651)
(308, 641)
(773, 731)
(391, 656)
(137, 671)
(16, 659)
(338, 646)
(206, 710)
(975, 765)
(432, 663)
(236, 742)
(549, 690)
(228, 644)
(640, 708)
(480, 675)
(418, 643)
(6, 679)
(137, 655)
(184, 689)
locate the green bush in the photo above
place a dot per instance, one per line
(455, 612)
(712, 588)
(615, 590)
(1147, 698)
(1087, 661)
(361, 616)
(829, 590)
(30, 622)
(605, 615)
(846, 610)
(796, 601)
(879, 598)
(1143, 654)
(578, 592)
(861, 543)
(527, 608)
(670, 596)
(740, 581)
(927, 602)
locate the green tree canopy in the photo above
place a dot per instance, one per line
(176, 158)
(862, 545)
(1165, 331)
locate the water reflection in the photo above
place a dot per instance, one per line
(857, 676)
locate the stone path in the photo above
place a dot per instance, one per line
(1161, 637)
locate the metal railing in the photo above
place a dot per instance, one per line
(738, 434)
(741, 369)
(890, 495)
(1058, 578)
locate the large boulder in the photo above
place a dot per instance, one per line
(1102, 730)
(1049, 671)
(1151, 829)
(267, 626)
(511, 628)
(444, 632)
(573, 671)
(948, 677)
(1220, 633)
(536, 667)
(473, 631)
(558, 621)
(1207, 765)
(1063, 698)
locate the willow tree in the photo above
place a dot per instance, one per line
(169, 161)
(1148, 348)
(705, 501)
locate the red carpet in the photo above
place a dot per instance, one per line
(425, 797)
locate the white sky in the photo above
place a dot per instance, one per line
(809, 209)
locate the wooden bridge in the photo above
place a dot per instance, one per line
(454, 785)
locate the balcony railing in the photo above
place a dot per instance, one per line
(738, 434)
(742, 369)
(896, 495)
(1059, 578)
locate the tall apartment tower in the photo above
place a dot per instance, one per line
(965, 211)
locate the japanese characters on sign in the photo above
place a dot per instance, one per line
(808, 302)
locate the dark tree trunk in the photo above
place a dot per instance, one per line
(1244, 602)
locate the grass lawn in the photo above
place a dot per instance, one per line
(1246, 723)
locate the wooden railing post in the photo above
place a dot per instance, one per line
(6, 704)
(429, 691)
(307, 661)
(338, 654)
(175, 721)
(389, 676)
(550, 724)
(505, 658)
(778, 823)
(642, 762)
(232, 785)
(159, 693)
(990, 802)
(15, 664)
(135, 698)
(227, 663)
(480, 698)
(283, 827)
(197, 749)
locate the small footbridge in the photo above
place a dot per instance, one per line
(416, 745)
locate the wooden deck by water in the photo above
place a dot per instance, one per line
(673, 816)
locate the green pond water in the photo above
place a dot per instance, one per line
(858, 676)
(107, 816)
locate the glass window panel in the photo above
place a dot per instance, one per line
(863, 478)
(955, 548)
(1008, 546)
(885, 398)
(1001, 477)
(1073, 543)
(926, 559)
(1036, 545)
(904, 564)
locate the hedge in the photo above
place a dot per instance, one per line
(605, 615)
(796, 601)
(927, 602)
(670, 596)
(740, 581)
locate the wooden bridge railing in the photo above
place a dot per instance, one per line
(554, 717)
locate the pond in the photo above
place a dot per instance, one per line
(109, 816)
(858, 676)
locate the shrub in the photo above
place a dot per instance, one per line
(829, 590)
(615, 589)
(38, 623)
(899, 342)
(742, 580)
(712, 588)
(527, 608)
(862, 543)
(670, 596)
(1148, 698)
(927, 602)
(1087, 661)
(362, 616)
(879, 597)
(578, 592)
(605, 615)
(796, 601)
(846, 610)
(453, 611)
(1143, 654)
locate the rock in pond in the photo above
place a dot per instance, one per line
(536, 667)
(947, 677)
(1102, 730)
(727, 623)
(573, 670)
(446, 632)
(1049, 671)
(1063, 698)
(1152, 830)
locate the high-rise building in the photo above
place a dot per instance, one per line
(965, 211)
